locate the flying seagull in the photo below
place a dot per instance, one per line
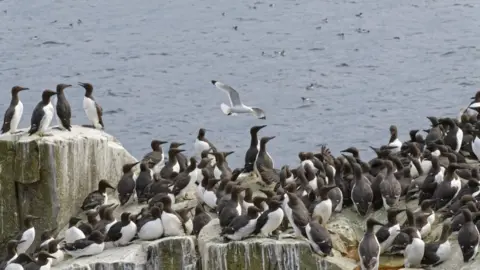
(236, 104)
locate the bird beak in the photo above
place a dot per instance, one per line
(472, 98)
(24, 88)
(270, 138)
(163, 142)
(68, 85)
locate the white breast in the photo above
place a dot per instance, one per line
(151, 230)
(59, 255)
(128, 232)
(200, 146)
(172, 225)
(459, 140)
(216, 172)
(92, 249)
(176, 167)
(13, 258)
(189, 226)
(109, 225)
(210, 199)
(274, 220)
(199, 193)
(476, 147)
(28, 236)
(439, 175)
(444, 251)
(91, 111)
(14, 266)
(243, 232)
(17, 116)
(47, 118)
(398, 145)
(394, 231)
(414, 253)
(73, 234)
(158, 167)
(313, 183)
(323, 209)
(309, 162)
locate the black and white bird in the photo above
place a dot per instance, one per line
(64, 112)
(151, 228)
(270, 220)
(42, 114)
(236, 105)
(73, 233)
(14, 112)
(27, 236)
(203, 144)
(123, 231)
(92, 108)
(468, 237)
(97, 197)
(92, 245)
(126, 185)
(319, 237)
(369, 248)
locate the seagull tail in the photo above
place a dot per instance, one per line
(226, 109)
(259, 113)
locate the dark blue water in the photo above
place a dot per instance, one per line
(151, 63)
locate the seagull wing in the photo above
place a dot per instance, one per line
(232, 93)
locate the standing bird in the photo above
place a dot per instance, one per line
(42, 114)
(369, 248)
(11, 253)
(270, 220)
(13, 115)
(415, 248)
(126, 185)
(390, 188)
(252, 151)
(236, 105)
(143, 180)
(202, 144)
(27, 236)
(73, 233)
(64, 112)
(468, 237)
(43, 262)
(394, 141)
(201, 219)
(319, 237)
(156, 157)
(264, 160)
(92, 108)
(97, 197)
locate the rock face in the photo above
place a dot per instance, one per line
(167, 253)
(50, 176)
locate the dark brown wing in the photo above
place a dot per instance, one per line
(99, 113)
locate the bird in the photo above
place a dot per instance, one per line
(236, 105)
(92, 245)
(14, 112)
(73, 233)
(97, 197)
(123, 231)
(42, 114)
(93, 110)
(369, 248)
(27, 236)
(202, 144)
(126, 185)
(64, 112)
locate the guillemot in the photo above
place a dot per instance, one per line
(27, 236)
(73, 233)
(144, 179)
(454, 136)
(171, 221)
(42, 114)
(202, 144)
(92, 109)
(390, 188)
(152, 228)
(369, 248)
(318, 237)
(468, 237)
(439, 251)
(263, 158)
(14, 112)
(270, 219)
(11, 253)
(97, 197)
(387, 233)
(90, 246)
(64, 112)
(184, 179)
(241, 226)
(123, 231)
(156, 158)
(394, 141)
(252, 152)
(201, 219)
(297, 214)
(414, 250)
(126, 185)
(172, 167)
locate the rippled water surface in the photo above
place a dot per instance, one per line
(151, 63)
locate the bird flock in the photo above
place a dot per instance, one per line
(436, 169)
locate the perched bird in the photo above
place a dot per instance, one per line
(252, 152)
(42, 114)
(97, 197)
(241, 226)
(319, 237)
(43, 262)
(27, 236)
(14, 112)
(18, 263)
(126, 185)
(202, 144)
(394, 141)
(143, 180)
(200, 220)
(270, 220)
(73, 233)
(236, 105)
(415, 248)
(92, 108)
(92, 245)
(369, 248)
(156, 157)
(123, 231)
(64, 112)
(468, 237)
(11, 252)
(151, 228)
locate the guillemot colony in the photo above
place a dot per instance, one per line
(447, 187)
